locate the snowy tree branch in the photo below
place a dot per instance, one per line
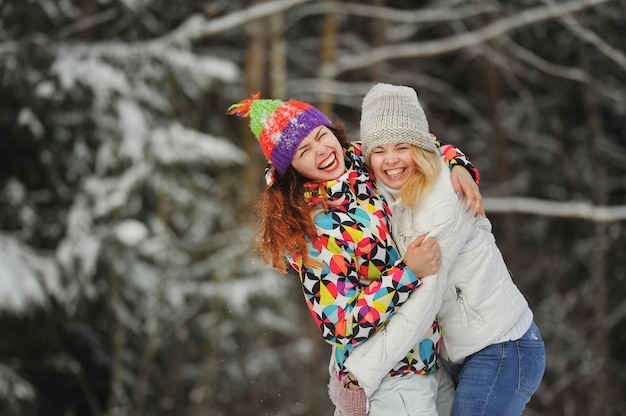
(616, 315)
(194, 28)
(89, 22)
(441, 14)
(562, 209)
(454, 43)
(574, 74)
(8, 47)
(197, 27)
(587, 35)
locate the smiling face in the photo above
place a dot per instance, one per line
(319, 157)
(393, 164)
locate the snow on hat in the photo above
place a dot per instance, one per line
(279, 126)
(392, 114)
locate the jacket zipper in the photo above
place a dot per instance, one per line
(461, 302)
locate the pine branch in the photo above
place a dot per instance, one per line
(562, 209)
(197, 27)
(591, 37)
(561, 71)
(454, 43)
(194, 28)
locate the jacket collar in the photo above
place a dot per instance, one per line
(337, 190)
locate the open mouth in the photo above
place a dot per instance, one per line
(329, 163)
(394, 173)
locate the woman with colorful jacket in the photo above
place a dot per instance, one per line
(321, 211)
(489, 335)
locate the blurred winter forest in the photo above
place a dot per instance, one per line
(127, 281)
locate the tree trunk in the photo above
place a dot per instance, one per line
(503, 174)
(599, 296)
(256, 81)
(329, 46)
(378, 39)
(278, 62)
(202, 396)
(118, 340)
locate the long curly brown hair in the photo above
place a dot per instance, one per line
(285, 216)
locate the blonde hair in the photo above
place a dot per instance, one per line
(428, 167)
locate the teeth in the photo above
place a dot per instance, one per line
(332, 158)
(394, 172)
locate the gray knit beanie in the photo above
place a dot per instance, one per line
(392, 114)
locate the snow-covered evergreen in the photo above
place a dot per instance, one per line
(127, 280)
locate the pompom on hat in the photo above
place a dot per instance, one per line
(279, 126)
(392, 114)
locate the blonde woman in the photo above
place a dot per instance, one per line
(489, 336)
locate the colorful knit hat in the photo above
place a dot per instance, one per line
(392, 114)
(279, 126)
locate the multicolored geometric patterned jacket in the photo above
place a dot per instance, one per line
(361, 278)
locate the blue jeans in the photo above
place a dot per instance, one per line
(501, 378)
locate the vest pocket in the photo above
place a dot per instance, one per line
(465, 308)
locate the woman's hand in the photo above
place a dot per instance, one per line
(463, 182)
(423, 256)
(350, 382)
